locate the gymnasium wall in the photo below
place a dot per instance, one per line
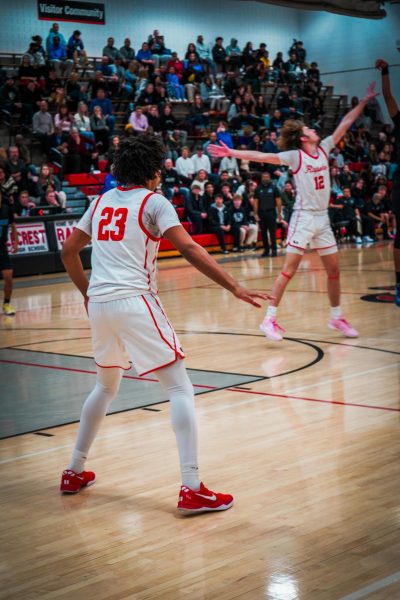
(180, 22)
(346, 43)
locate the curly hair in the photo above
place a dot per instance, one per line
(290, 138)
(138, 159)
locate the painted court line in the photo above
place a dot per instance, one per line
(374, 587)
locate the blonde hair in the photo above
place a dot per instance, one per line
(291, 134)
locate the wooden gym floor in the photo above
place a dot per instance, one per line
(304, 434)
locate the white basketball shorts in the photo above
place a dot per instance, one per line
(133, 330)
(314, 228)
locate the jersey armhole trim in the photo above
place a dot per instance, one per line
(140, 219)
(95, 206)
(300, 161)
(325, 154)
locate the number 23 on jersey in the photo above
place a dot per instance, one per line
(112, 224)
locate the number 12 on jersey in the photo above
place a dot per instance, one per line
(112, 224)
(319, 182)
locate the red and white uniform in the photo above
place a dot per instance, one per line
(127, 318)
(310, 221)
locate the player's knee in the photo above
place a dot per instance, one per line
(333, 273)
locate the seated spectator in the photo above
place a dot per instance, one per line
(244, 233)
(144, 56)
(223, 135)
(63, 120)
(234, 109)
(10, 98)
(234, 54)
(76, 49)
(80, 153)
(198, 114)
(8, 187)
(42, 125)
(160, 54)
(201, 161)
(226, 193)
(174, 144)
(193, 75)
(112, 150)
(171, 182)
(149, 96)
(212, 94)
(290, 68)
(353, 226)
(230, 165)
(313, 72)
(23, 150)
(175, 89)
(111, 52)
(55, 31)
(184, 167)
(219, 221)
(365, 225)
(106, 108)
(167, 119)
(203, 52)
(219, 54)
(379, 215)
(200, 180)
(208, 195)
(75, 92)
(98, 125)
(278, 68)
(195, 210)
(58, 58)
(37, 60)
(27, 71)
(82, 121)
(39, 183)
(50, 199)
(24, 205)
(154, 119)
(15, 165)
(131, 77)
(346, 177)
(127, 53)
(138, 121)
(178, 65)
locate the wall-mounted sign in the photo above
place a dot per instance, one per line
(79, 12)
(32, 238)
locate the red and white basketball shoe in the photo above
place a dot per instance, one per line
(203, 500)
(72, 482)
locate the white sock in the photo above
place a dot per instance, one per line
(336, 312)
(176, 383)
(272, 311)
(78, 459)
(93, 412)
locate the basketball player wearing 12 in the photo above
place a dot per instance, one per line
(307, 157)
(126, 316)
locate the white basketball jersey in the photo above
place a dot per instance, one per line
(126, 225)
(311, 175)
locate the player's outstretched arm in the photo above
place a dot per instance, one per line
(201, 260)
(263, 157)
(353, 115)
(72, 261)
(386, 89)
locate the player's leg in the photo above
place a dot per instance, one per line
(269, 326)
(7, 275)
(93, 412)
(337, 320)
(194, 496)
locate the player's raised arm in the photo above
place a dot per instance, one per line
(386, 90)
(263, 157)
(353, 115)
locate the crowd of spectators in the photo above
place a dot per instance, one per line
(67, 103)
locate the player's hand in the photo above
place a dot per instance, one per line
(15, 246)
(248, 295)
(370, 94)
(220, 151)
(381, 63)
